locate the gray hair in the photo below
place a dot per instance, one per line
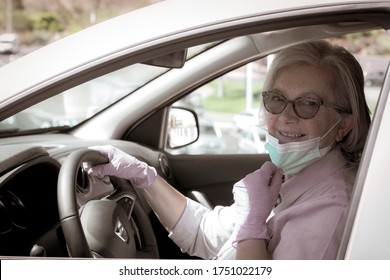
(347, 85)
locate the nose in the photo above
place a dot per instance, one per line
(288, 115)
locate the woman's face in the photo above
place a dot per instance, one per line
(304, 81)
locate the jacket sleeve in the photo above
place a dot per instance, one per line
(202, 232)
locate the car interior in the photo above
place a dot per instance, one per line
(50, 207)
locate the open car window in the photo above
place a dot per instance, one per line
(228, 107)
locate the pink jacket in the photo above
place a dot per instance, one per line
(307, 224)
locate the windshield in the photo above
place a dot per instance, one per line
(81, 102)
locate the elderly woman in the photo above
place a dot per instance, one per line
(294, 207)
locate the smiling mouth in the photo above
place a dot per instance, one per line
(291, 135)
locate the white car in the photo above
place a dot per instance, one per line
(114, 83)
(9, 43)
(246, 119)
(252, 140)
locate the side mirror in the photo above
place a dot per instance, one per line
(183, 127)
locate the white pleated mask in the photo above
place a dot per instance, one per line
(292, 157)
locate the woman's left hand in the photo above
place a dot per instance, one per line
(255, 197)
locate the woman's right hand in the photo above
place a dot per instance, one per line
(124, 166)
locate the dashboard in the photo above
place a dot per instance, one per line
(29, 215)
(28, 206)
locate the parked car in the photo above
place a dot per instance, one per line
(154, 64)
(210, 140)
(246, 119)
(9, 43)
(374, 79)
(252, 140)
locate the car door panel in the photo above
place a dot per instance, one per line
(369, 202)
(209, 179)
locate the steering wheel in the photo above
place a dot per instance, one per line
(101, 228)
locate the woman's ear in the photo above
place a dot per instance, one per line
(345, 127)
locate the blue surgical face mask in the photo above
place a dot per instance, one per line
(292, 157)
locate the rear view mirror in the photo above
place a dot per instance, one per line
(183, 127)
(171, 60)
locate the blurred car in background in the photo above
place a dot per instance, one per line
(252, 140)
(9, 43)
(246, 119)
(210, 141)
(374, 79)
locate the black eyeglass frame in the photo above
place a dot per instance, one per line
(318, 101)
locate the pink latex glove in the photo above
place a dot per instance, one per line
(124, 166)
(255, 197)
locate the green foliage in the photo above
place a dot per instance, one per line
(224, 105)
(375, 42)
(234, 98)
(36, 28)
(22, 22)
(46, 21)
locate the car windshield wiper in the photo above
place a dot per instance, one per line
(17, 132)
(10, 130)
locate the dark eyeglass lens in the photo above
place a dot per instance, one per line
(275, 103)
(305, 108)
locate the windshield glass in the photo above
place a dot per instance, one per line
(82, 102)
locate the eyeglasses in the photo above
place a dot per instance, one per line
(304, 107)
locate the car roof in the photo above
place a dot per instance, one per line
(133, 37)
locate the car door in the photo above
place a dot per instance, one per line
(368, 227)
(209, 179)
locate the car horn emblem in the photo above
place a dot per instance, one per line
(121, 231)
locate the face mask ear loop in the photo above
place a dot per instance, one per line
(261, 119)
(330, 129)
